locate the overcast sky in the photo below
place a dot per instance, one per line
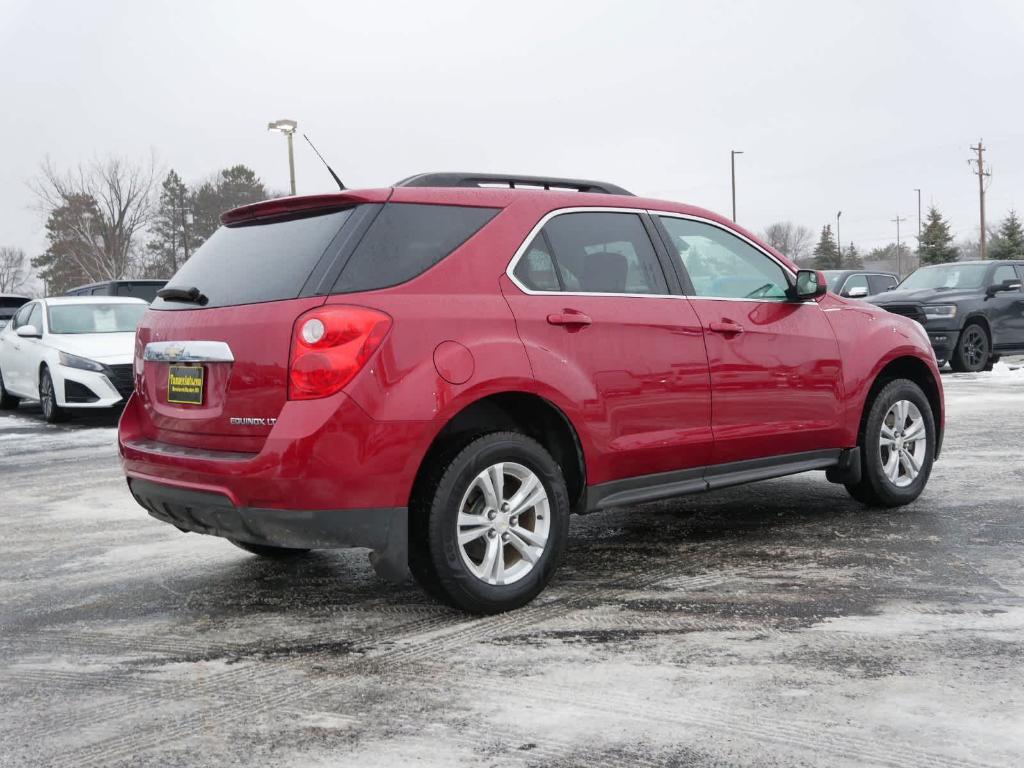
(836, 105)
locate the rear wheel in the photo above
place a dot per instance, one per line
(490, 524)
(897, 446)
(265, 550)
(972, 350)
(52, 412)
(8, 402)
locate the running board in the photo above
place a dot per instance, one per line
(666, 485)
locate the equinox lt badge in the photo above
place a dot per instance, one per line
(256, 421)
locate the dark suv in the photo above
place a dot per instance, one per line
(144, 289)
(859, 283)
(973, 311)
(442, 372)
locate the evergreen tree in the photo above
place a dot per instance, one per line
(826, 255)
(171, 244)
(69, 230)
(1008, 242)
(936, 244)
(232, 187)
(852, 259)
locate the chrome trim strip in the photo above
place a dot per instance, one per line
(521, 250)
(188, 352)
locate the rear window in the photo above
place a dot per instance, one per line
(144, 291)
(407, 239)
(261, 261)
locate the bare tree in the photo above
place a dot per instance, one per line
(14, 271)
(794, 240)
(104, 205)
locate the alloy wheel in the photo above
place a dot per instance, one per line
(503, 523)
(975, 347)
(46, 395)
(902, 443)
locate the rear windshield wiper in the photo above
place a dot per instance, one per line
(191, 295)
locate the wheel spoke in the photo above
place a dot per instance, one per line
(916, 431)
(485, 483)
(530, 537)
(892, 466)
(912, 463)
(530, 554)
(887, 432)
(497, 476)
(534, 498)
(472, 534)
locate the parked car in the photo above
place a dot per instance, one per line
(443, 371)
(858, 284)
(139, 289)
(973, 311)
(69, 353)
(9, 304)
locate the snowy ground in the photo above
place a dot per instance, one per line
(778, 624)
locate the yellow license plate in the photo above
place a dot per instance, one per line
(185, 384)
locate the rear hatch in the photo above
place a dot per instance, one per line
(212, 363)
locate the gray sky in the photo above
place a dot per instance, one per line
(837, 105)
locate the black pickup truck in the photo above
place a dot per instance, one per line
(973, 311)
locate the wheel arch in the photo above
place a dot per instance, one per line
(519, 411)
(916, 370)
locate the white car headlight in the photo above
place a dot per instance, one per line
(939, 311)
(83, 363)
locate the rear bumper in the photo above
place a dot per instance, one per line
(384, 530)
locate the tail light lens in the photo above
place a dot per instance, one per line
(330, 345)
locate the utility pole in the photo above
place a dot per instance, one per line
(184, 226)
(732, 162)
(982, 174)
(918, 217)
(839, 240)
(899, 266)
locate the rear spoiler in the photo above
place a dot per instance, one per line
(284, 206)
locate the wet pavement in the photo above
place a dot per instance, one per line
(775, 624)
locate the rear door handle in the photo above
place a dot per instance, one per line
(569, 318)
(728, 327)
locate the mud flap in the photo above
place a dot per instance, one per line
(847, 469)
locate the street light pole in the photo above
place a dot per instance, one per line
(287, 127)
(918, 217)
(732, 163)
(899, 265)
(839, 240)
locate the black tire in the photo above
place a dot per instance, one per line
(265, 550)
(8, 402)
(435, 556)
(875, 488)
(972, 350)
(52, 412)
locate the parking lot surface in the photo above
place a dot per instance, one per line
(775, 624)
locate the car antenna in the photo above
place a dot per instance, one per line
(329, 169)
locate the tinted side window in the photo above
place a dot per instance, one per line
(406, 240)
(856, 286)
(22, 317)
(256, 262)
(880, 283)
(1003, 272)
(146, 291)
(36, 317)
(721, 265)
(604, 252)
(536, 268)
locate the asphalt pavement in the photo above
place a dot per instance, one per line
(774, 624)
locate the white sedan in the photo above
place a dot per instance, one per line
(70, 352)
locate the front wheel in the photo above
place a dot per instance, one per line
(972, 350)
(489, 525)
(897, 446)
(52, 412)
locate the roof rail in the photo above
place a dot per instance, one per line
(511, 182)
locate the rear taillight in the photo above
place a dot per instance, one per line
(330, 345)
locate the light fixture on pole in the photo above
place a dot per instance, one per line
(899, 266)
(839, 240)
(287, 127)
(732, 162)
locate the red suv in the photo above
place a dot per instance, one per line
(442, 371)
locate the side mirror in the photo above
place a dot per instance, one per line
(1006, 285)
(810, 284)
(857, 292)
(28, 332)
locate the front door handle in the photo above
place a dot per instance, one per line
(569, 317)
(727, 327)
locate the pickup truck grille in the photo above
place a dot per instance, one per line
(913, 311)
(123, 379)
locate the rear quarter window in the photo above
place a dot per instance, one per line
(407, 239)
